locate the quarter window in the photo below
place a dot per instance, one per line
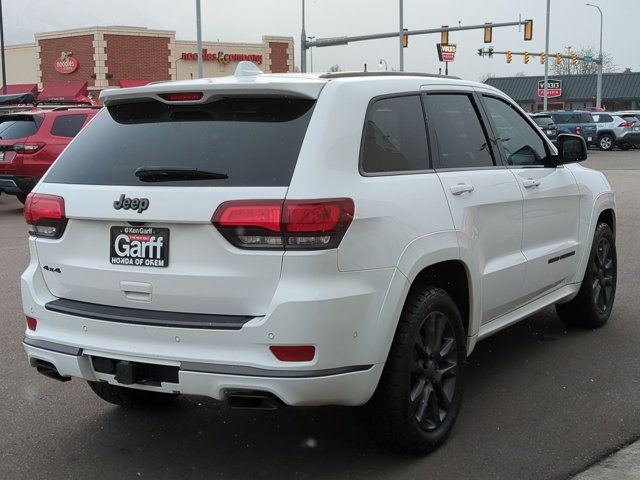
(67, 125)
(520, 141)
(461, 140)
(395, 136)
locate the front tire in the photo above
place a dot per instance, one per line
(131, 397)
(591, 308)
(419, 395)
(606, 142)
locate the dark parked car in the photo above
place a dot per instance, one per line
(546, 124)
(578, 122)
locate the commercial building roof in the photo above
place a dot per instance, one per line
(618, 86)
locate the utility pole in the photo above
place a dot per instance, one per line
(400, 35)
(199, 34)
(4, 65)
(546, 61)
(599, 87)
(311, 55)
(303, 45)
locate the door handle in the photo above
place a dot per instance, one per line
(461, 188)
(530, 183)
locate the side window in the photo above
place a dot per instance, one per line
(395, 136)
(67, 125)
(603, 118)
(462, 142)
(521, 143)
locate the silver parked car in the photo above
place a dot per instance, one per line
(617, 129)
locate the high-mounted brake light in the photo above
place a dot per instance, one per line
(182, 96)
(45, 214)
(289, 224)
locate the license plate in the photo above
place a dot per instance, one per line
(549, 132)
(139, 246)
(589, 139)
(635, 129)
(1, 156)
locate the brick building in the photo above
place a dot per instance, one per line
(71, 63)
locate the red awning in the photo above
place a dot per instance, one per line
(134, 83)
(63, 91)
(17, 88)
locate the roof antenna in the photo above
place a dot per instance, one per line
(247, 69)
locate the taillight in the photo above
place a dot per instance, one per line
(26, 148)
(45, 214)
(293, 353)
(182, 96)
(578, 130)
(289, 224)
(625, 124)
(32, 324)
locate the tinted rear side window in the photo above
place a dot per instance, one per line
(395, 136)
(68, 125)
(19, 127)
(543, 121)
(254, 141)
(461, 140)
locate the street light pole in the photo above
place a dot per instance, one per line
(599, 82)
(199, 34)
(303, 45)
(400, 34)
(546, 60)
(4, 66)
(311, 55)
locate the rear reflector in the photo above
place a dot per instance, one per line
(289, 224)
(182, 96)
(45, 214)
(293, 353)
(32, 324)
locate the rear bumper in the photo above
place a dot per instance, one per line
(341, 386)
(14, 184)
(630, 138)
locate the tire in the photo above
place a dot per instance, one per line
(22, 197)
(131, 397)
(591, 308)
(606, 142)
(418, 398)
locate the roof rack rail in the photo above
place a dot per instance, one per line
(331, 75)
(92, 107)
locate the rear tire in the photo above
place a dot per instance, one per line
(606, 142)
(131, 397)
(419, 395)
(591, 308)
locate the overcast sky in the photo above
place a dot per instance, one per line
(572, 23)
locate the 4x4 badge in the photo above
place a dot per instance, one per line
(126, 203)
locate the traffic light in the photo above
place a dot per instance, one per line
(543, 58)
(405, 39)
(488, 34)
(509, 56)
(526, 57)
(558, 58)
(574, 58)
(528, 30)
(444, 36)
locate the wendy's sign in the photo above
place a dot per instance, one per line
(66, 64)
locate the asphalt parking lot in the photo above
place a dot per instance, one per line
(543, 401)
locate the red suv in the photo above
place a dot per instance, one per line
(31, 141)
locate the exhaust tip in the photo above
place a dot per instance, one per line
(254, 401)
(48, 369)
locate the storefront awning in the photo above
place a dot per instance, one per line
(20, 88)
(134, 83)
(64, 91)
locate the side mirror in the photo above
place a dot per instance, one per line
(571, 148)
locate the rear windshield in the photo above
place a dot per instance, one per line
(13, 127)
(253, 141)
(578, 117)
(543, 121)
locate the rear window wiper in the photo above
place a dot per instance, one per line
(171, 174)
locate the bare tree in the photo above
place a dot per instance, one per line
(581, 67)
(335, 68)
(520, 74)
(483, 78)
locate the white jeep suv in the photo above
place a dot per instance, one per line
(340, 239)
